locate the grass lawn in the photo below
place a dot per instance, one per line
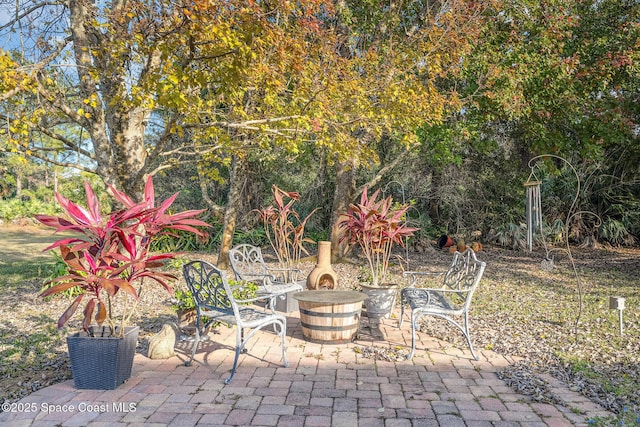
(32, 351)
(560, 320)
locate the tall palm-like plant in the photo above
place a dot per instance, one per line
(376, 226)
(285, 228)
(110, 256)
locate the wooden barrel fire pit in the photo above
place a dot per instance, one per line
(329, 317)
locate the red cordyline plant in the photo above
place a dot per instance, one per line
(110, 256)
(284, 228)
(376, 226)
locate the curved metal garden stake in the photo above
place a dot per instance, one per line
(547, 263)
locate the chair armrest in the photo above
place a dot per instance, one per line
(269, 292)
(248, 301)
(449, 298)
(283, 271)
(212, 311)
(258, 277)
(416, 296)
(445, 290)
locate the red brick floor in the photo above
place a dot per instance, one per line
(324, 385)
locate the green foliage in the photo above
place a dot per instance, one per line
(254, 236)
(177, 263)
(615, 232)
(555, 232)
(72, 187)
(318, 235)
(547, 66)
(38, 199)
(60, 269)
(510, 235)
(442, 144)
(631, 220)
(183, 300)
(480, 194)
(44, 193)
(426, 229)
(184, 241)
(13, 209)
(7, 184)
(27, 196)
(627, 417)
(242, 290)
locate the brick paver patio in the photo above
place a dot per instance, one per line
(324, 385)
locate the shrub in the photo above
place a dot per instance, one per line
(284, 228)
(510, 235)
(109, 257)
(376, 226)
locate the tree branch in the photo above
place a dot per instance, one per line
(380, 174)
(34, 69)
(27, 12)
(58, 163)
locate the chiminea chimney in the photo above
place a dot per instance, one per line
(323, 276)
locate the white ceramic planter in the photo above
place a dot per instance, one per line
(380, 300)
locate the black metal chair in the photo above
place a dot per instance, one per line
(217, 300)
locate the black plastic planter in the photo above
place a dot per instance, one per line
(102, 363)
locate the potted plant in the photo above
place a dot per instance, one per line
(108, 260)
(284, 228)
(285, 231)
(376, 226)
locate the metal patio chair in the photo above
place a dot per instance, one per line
(248, 264)
(450, 300)
(217, 300)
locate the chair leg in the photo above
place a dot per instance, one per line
(468, 337)
(239, 349)
(196, 340)
(283, 333)
(414, 320)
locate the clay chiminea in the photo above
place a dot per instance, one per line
(323, 276)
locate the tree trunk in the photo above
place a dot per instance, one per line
(214, 208)
(343, 196)
(237, 178)
(434, 198)
(18, 185)
(116, 128)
